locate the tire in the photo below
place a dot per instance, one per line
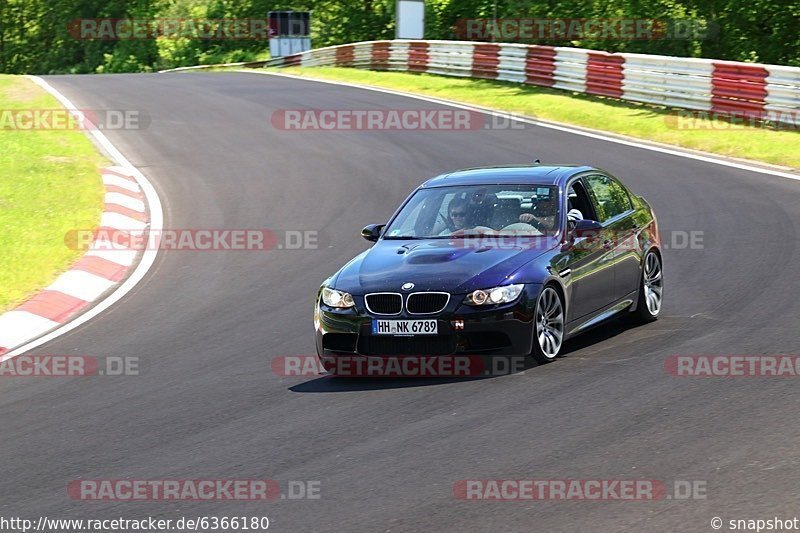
(548, 327)
(651, 289)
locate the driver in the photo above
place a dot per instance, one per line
(457, 215)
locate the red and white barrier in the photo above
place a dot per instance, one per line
(761, 91)
(98, 271)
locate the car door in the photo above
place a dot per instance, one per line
(614, 207)
(589, 261)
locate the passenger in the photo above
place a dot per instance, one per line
(544, 215)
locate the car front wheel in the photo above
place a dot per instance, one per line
(549, 327)
(651, 290)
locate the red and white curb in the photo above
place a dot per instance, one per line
(103, 276)
(100, 270)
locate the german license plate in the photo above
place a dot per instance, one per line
(404, 327)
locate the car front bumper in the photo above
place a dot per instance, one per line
(503, 330)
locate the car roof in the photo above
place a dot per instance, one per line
(510, 174)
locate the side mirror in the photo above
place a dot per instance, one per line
(587, 228)
(372, 232)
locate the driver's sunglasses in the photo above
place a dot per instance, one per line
(458, 214)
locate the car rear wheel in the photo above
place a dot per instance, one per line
(651, 290)
(549, 327)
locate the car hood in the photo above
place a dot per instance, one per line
(438, 265)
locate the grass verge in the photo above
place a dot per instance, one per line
(635, 120)
(49, 184)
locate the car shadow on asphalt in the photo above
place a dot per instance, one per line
(484, 368)
(329, 383)
(605, 331)
(348, 384)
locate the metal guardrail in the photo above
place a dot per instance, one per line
(764, 92)
(243, 64)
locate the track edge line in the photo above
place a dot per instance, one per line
(147, 258)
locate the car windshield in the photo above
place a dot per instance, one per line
(463, 211)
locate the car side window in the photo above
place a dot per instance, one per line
(610, 198)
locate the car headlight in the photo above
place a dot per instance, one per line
(496, 295)
(334, 298)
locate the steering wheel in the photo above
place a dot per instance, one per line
(537, 224)
(477, 231)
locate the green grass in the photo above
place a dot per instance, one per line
(49, 184)
(635, 120)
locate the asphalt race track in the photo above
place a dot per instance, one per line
(206, 326)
